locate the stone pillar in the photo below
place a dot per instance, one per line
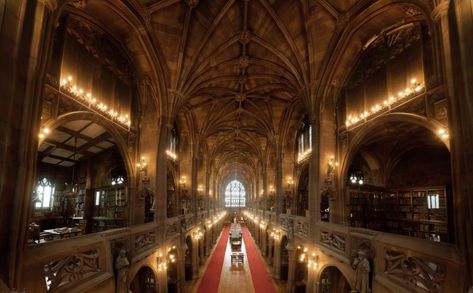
(290, 286)
(312, 282)
(460, 84)
(26, 38)
(181, 274)
(314, 185)
(277, 259)
(195, 258)
(200, 246)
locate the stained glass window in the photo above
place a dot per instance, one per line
(235, 195)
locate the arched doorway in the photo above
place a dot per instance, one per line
(284, 258)
(172, 270)
(188, 259)
(333, 281)
(393, 184)
(144, 281)
(300, 275)
(83, 179)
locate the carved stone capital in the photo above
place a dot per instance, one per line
(50, 4)
(440, 10)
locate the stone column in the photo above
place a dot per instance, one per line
(277, 259)
(195, 258)
(314, 185)
(290, 286)
(460, 84)
(181, 274)
(26, 38)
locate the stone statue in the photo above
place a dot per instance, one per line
(362, 267)
(121, 266)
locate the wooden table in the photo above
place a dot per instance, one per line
(237, 257)
(63, 232)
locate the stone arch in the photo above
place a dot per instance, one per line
(105, 123)
(141, 280)
(340, 275)
(368, 129)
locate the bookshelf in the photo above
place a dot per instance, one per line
(110, 208)
(417, 212)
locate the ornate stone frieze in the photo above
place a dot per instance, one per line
(144, 240)
(65, 271)
(333, 240)
(414, 271)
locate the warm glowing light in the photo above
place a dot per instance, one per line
(443, 133)
(415, 87)
(305, 154)
(171, 154)
(79, 95)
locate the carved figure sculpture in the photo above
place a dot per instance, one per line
(362, 267)
(121, 266)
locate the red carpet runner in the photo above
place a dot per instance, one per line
(261, 280)
(211, 278)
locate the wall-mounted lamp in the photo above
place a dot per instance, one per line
(332, 165)
(313, 261)
(197, 234)
(276, 234)
(162, 263)
(43, 132)
(271, 189)
(171, 154)
(290, 183)
(357, 179)
(182, 182)
(142, 170)
(443, 133)
(200, 188)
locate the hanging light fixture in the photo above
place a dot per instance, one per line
(71, 190)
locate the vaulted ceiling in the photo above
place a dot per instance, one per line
(242, 74)
(239, 69)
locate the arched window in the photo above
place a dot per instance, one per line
(235, 195)
(304, 141)
(172, 148)
(45, 194)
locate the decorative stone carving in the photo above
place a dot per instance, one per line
(144, 240)
(244, 37)
(333, 240)
(121, 267)
(70, 269)
(240, 97)
(414, 271)
(192, 3)
(79, 3)
(410, 11)
(243, 62)
(362, 266)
